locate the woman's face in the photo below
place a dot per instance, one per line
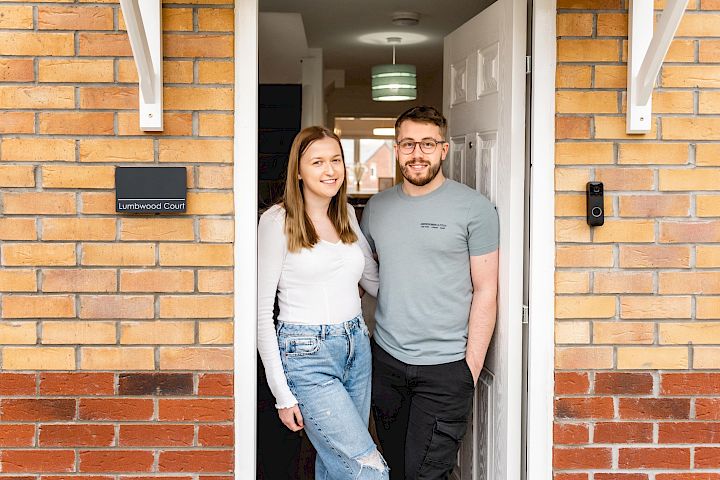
(322, 169)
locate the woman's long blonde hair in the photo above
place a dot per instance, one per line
(299, 229)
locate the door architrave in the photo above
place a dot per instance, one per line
(542, 244)
(541, 346)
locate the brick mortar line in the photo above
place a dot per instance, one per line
(133, 448)
(636, 396)
(639, 470)
(622, 90)
(129, 58)
(621, 115)
(117, 84)
(63, 136)
(590, 63)
(630, 421)
(593, 36)
(189, 397)
(627, 141)
(639, 372)
(125, 110)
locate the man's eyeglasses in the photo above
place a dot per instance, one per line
(427, 145)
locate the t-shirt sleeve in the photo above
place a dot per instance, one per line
(370, 279)
(272, 248)
(483, 227)
(365, 225)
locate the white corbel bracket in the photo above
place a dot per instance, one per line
(143, 19)
(646, 52)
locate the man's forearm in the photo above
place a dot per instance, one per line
(481, 324)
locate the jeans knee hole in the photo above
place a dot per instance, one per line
(373, 461)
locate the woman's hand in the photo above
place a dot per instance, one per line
(291, 418)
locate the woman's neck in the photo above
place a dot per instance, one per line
(317, 208)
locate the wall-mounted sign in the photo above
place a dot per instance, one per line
(150, 189)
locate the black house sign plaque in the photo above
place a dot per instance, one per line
(150, 189)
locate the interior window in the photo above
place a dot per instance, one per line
(369, 155)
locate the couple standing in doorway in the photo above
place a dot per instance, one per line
(435, 279)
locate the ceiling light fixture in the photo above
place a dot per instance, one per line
(396, 82)
(384, 131)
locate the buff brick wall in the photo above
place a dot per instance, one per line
(637, 328)
(115, 331)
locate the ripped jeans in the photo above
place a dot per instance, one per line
(328, 368)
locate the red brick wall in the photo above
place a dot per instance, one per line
(637, 331)
(115, 330)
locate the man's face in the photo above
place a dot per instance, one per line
(418, 167)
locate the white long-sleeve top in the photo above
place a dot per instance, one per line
(315, 286)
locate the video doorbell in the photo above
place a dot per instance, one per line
(595, 204)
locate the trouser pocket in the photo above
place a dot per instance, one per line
(299, 346)
(442, 450)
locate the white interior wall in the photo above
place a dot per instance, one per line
(313, 101)
(282, 45)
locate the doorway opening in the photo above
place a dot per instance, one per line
(307, 83)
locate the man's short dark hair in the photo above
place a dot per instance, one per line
(423, 114)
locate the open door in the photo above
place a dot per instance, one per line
(484, 102)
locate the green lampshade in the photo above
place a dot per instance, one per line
(394, 82)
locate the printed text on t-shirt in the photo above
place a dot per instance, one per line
(439, 226)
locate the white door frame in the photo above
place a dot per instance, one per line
(542, 244)
(245, 186)
(541, 343)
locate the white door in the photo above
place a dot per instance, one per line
(484, 102)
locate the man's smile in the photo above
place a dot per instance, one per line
(417, 166)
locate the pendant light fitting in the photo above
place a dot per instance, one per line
(394, 82)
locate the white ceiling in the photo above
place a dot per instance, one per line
(336, 25)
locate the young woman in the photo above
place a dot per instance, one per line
(317, 360)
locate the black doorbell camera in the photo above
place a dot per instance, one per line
(595, 204)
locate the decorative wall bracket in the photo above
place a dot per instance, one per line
(646, 52)
(143, 19)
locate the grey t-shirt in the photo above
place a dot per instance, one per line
(424, 246)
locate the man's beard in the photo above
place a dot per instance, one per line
(421, 181)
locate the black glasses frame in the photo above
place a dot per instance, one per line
(427, 151)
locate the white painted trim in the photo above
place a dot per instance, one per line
(646, 52)
(245, 199)
(143, 21)
(659, 46)
(542, 244)
(640, 27)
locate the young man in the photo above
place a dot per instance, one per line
(436, 242)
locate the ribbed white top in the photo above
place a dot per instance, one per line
(317, 286)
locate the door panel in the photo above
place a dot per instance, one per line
(484, 101)
(487, 168)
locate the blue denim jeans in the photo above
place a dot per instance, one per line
(328, 368)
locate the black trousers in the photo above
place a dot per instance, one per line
(421, 414)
